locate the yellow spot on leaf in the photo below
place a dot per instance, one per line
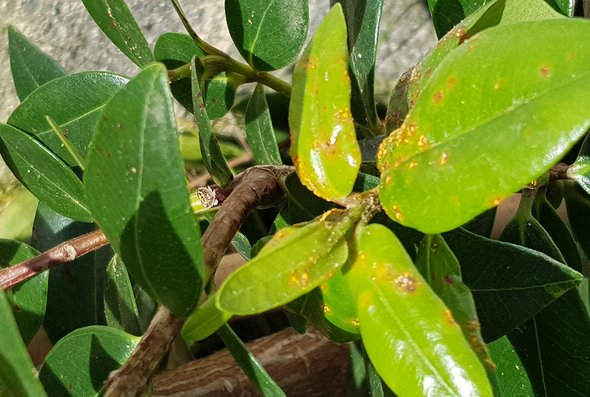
(407, 282)
(444, 157)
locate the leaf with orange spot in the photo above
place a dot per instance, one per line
(485, 140)
(324, 148)
(410, 335)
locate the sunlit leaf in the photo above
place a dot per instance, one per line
(204, 321)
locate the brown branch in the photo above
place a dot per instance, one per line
(303, 365)
(201, 179)
(62, 253)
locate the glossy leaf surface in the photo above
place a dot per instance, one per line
(566, 7)
(513, 380)
(411, 337)
(79, 364)
(114, 18)
(30, 66)
(75, 296)
(268, 34)
(323, 139)
(295, 261)
(44, 174)
(210, 150)
(430, 163)
(509, 283)
(204, 321)
(137, 192)
(362, 22)
(16, 368)
(28, 299)
(446, 14)
(75, 102)
(259, 132)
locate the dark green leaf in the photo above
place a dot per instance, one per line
(302, 204)
(259, 132)
(580, 169)
(362, 23)
(513, 380)
(295, 261)
(269, 35)
(509, 283)
(249, 364)
(75, 297)
(176, 49)
(204, 321)
(566, 7)
(448, 13)
(44, 174)
(120, 308)
(483, 224)
(212, 155)
(75, 102)
(114, 18)
(578, 212)
(242, 245)
(79, 364)
(554, 348)
(436, 152)
(30, 66)
(411, 337)
(28, 299)
(136, 190)
(324, 147)
(16, 369)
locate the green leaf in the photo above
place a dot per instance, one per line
(566, 7)
(324, 148)
(28, 299)
(507, 292)
(578, 209)
(75, 102)
(204, 321)
(411, 337)
(136, 190)
(269, 35)
(429, 164)
(259, 132)
(17, 214)
(30, 66)
(176, 49)
(79, 364)
(249, 364)
(440, 267)
(580, 169)
(16, 368)
(302, 204)
(295, 261)
(115, 20)
(554, 348)
(75, 296)
(44, 174)
(513, 380)
(212, 155)
(362, 22)
(447, 14)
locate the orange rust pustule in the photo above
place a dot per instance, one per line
(437, 97)
(545, 71)
(406, 282)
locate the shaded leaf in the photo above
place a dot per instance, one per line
(435, 154)
(44, 174)
(566, 7)
(75, 295)
(79, 364)
(28, 299)
(580, 169)
(446, 14)
(269, 35)
(509, 283)
(578, 210)
(259, 132)
(16, 369)
(137, 192)
(302, 204)
(204, 321)
(513, 380)
(115, 20)
(295, 261)
(411, 337)
(324, 148)
(30, 66)
(75, 102)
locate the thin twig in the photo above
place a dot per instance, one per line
(62, 253)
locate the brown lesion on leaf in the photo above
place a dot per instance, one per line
(545, 70)
(437, 97)
(449, 317)
(407, 282)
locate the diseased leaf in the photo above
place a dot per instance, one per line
(509, 283)
(295, 261)
(75, 102)
(411, 337)
(79, 364)
(259, 132)
(137, 192)
(429, 164)
(447, 14)
(44, 174)
(513, 380)
(268, 34)
(16, 369)
(28, 299)
(324, 148)
(31, 67)
(116, 21)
